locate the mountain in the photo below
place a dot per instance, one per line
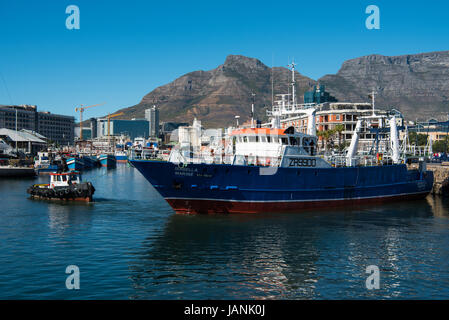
(417, 85)
(218, 95)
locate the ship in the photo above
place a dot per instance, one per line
(65, 186)
(107, 160)
(273, 169)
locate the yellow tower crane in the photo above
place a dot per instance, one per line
(81, 110)
(109, 116)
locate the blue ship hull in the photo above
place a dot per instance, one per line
(220, 188)
(52, 168)
(121, 158)
(90, 162)
(107, 160)
(75, 164)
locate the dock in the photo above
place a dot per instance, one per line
(16, 172)
(441, 177)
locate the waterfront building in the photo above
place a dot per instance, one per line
(56, 128)
(152, 116)
(26, 141)
(167, 128)
(345, 115)
(318, 95)
(25, 115)
(133, 128)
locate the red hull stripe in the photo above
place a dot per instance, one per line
(206, 206)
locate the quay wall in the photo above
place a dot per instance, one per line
(441, 177)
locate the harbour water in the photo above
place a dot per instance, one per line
(129, 244)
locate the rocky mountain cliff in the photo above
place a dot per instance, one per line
(218, 95)
(417, 85)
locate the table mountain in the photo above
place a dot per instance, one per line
(215, 97)
(417, 85)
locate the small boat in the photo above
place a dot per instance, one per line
(107, 160)
(75, 163)
(63, 186)
(121, 156)
(43, 164)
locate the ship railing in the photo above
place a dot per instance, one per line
(359, 160)
(142, 154)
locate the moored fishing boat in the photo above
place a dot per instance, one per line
(107, 160)
(90, 162)
(44, 165)
(75, 163)
(63, 186)
(276, 169)
(121, 156)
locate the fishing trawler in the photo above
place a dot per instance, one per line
(107, 160)
(276, 169)
(44, 165)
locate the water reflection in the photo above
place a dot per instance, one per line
(440, 206)
(308, 255)
(62, 216)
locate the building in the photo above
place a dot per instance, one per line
(167, 128)
(25, 115)
(25, 141)
(318, 95)
(56, 128)
(152, 116)
(345, 115)
(132, 128)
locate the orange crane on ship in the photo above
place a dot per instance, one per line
(81, 110)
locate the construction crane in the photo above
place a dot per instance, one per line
(109, 116)
(81, 110)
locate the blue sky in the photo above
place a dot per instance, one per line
(125, 49)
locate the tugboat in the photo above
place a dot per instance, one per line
(63, 186)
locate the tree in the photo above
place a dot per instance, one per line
(417, 139)
(440, 145)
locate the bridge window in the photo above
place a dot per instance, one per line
(283, 141)
(294, 141)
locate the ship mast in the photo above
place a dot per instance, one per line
(292, 66)
(373, 93)
(252, 109)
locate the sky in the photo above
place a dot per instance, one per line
(125, 49)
